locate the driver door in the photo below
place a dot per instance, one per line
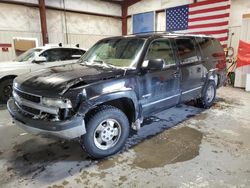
(160, 89)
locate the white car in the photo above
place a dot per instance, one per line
(32, 60)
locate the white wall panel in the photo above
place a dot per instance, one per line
(103, 7)
(88, 6)
(55, 21)
(81, 28)
(238, 8)
(7, 37)
(129, 25)
(97, 25)
(161, 21)
(19, 18)
(151, 5)
(22, 21)
(85, 41)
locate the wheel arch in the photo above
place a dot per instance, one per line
(7, 77)
(126, 101)
(211, 76)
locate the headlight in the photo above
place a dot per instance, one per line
(59, 103)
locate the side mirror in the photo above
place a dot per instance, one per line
(40, 59)
(154, 64)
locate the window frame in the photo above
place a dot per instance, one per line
(172, 48)
(51, 49)
(203, 56)
(195, 48)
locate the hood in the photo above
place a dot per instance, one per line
(57, 80)
(9, 65)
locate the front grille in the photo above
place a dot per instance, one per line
(31, 104)
(30, 110)
(20, 96)
(27, 96)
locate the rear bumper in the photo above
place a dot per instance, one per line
(68, 129)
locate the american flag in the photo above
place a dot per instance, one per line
(209, 17)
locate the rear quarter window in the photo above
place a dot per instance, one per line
(186, 50)
(210, 48)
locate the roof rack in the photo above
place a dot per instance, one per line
(168, 32)
(151, 32)
(63, 45)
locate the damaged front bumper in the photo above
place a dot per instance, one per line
(68, 129)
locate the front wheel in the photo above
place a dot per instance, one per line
(208, 95)
(106, 132)
(6, 90)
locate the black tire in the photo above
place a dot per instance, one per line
(207, 101)
(6, 90)
(94, 133)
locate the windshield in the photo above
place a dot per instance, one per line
(28, 55)
(117, 52)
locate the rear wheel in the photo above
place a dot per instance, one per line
(106, 132)
(6, 90)
(208, 95)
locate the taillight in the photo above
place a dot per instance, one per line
(221, 60)
(221, 64)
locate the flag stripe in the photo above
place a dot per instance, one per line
(208, 29)
(205, 21)
(223, 35)
(207, 14)
(209, 17)
(209, 10)
(206, 2)
(222, 38)
(208, 6)
(213, 32)
(208, 25)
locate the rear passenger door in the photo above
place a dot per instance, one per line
(160, 89)
(191, 68)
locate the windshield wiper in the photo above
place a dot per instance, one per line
(103, 63)
(97, 62)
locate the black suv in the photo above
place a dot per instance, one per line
(117, 83)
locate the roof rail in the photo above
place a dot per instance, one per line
(152, 32)
(169, 32)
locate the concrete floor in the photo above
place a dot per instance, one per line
(180, 147)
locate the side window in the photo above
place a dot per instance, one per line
(186, 50)
(76, 54)
(57, 54)
(206, 46)
(161, 49)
